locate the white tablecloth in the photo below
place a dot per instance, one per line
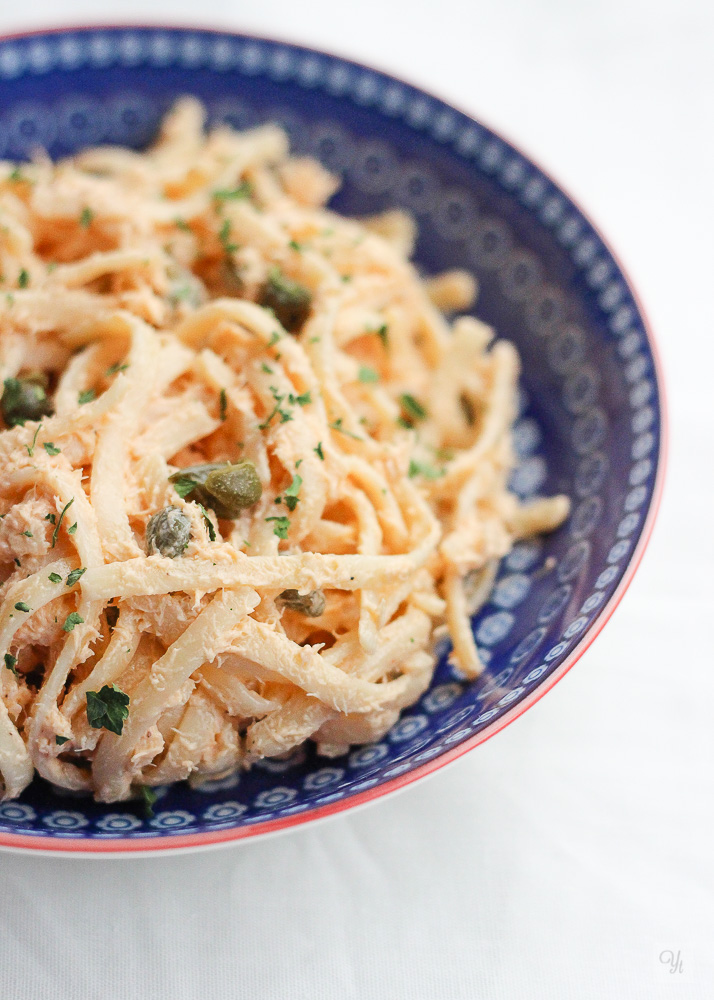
(562, 858)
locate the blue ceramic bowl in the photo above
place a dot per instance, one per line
(591, 411)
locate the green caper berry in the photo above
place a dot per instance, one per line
(312, 605)
(233, 488)
(23, 399)
(168, 532)
(289, 301)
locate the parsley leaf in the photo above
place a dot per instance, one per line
(86, 396)
(223, 405)
(367, 375)
(424, 470)
(149, 797)
(75, 575)
(244, 190)
(337, 426)
(301, 400)
(72, 528)
(23, 279)
(21, 606)
(59, 522)
(107, 708)
(225, 237)
(281, 526)
(85, 219)
(116, 367)
(51, 518)
(51, 448)
(291, 493)
(208, 522)
(54, 578)
(60, 740)
(184, 486)
(319, 452)
(31, 447)
(71, 620)
(10, 662)
(383, 334)
(412, 407)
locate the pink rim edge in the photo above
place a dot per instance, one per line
(126, 847)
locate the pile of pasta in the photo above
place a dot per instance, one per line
(136, 312)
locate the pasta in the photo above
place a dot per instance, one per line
(250, 466)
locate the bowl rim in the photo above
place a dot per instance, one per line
(122, 847)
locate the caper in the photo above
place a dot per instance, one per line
(233, 488)
(24, 399)
(227, 489)
(312, 605)
(168, 532)
(289, 301)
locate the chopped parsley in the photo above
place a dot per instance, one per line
(184, 486)
(16, 175)
(319, 452)
(149, 797)
(301, 400)
(59, 521)
(274, 338)
(290, 497)
(31, 447)
(75, 575)
(85, 219)
(21, 606)
(266, 368)
(412, 407)
(282, 525)
(294, 245)
(71, 620)
(61, 740)
(383, 334)
(107, 708)
(51, 518)
(23, 279)
(116, 367)
(183, 225)
(86, 396)
(207, 521)
(337, 426)
(367, 375)
(244, 190)
(425, 470)
(51, 448)
(223, 405)
(27, 533)
(72, 528)
(10, 662)
(54, 578)
(284, 414)
(225, 237)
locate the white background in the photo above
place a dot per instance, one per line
(560, 859)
